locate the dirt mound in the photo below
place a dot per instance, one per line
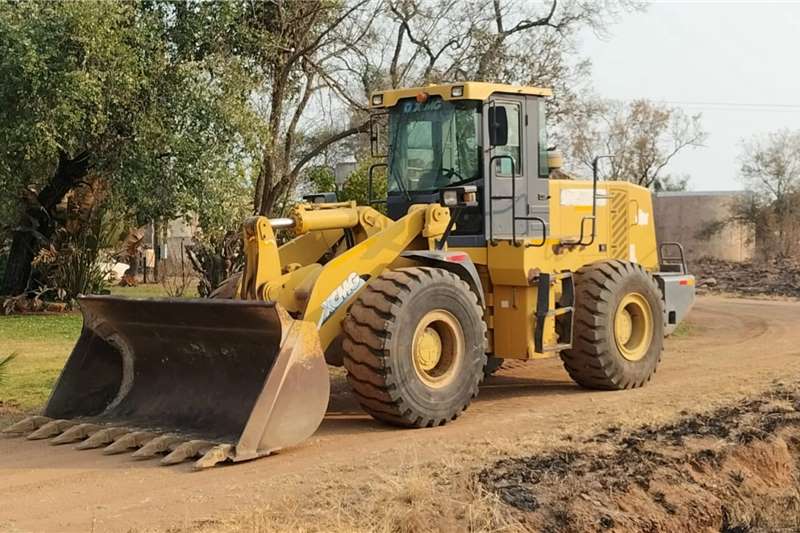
(735, 469)
(778, 277)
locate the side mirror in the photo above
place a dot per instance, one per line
(498, 126)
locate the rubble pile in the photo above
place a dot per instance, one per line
(776, 277)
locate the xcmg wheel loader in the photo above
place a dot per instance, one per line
(480, 256)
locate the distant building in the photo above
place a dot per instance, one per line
(701, 221)
(177, 234)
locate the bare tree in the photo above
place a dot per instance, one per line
(643, 137)
(297, 48)
(323, 58)
(508, 41)
(770, 170)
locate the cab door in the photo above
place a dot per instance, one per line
(515, 196)
(538, 207)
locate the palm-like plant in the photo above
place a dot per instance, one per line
(4, 363)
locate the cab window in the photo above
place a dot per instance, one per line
(512, 146)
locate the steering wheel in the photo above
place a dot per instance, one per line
(448, 174)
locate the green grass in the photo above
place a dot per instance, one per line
(41, 344)
(684, 329)
(151, 290)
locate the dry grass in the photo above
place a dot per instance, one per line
(438, 496)
(420, 495)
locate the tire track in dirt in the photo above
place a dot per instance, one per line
(738, 347)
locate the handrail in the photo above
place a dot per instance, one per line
(593, 216)
(373, 134)
(514, 217)
(681, 257)
(372, 168)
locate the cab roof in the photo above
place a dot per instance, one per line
(472, 90)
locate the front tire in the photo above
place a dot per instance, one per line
(619, 327)
(414, 343)
(493, 364)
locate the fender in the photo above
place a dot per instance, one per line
(459, 263)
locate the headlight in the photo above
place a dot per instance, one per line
(450, 198)
(377, 99)
(463, 196)
(457, 91)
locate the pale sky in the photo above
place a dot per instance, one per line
(737, 63)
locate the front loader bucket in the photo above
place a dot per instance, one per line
(220, 379)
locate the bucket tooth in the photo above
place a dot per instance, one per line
(76, 433)
(27, 425)
(125, 442)
(187, 450)
(238, 372)
(164, 443)
(102, 438)
(51, 429)
(217, 454)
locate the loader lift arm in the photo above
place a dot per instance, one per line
(233, 379)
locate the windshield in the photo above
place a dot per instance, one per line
(434, 144)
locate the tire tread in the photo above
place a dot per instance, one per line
(368, 329)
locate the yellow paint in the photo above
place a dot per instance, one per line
(437, 347)
(428, 349)
(514, 315)
(262, 263)
(510, 287)
(633, 326)
(513, 311)
(508, 272)
(292, 289)
(436, 220)
(314, 217)
(309, 247)
(368, 258)
(477, 255)
(473, 90)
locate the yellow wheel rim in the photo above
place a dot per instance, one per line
(633, 326)
(437, 348)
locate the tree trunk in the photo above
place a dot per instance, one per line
(156, 251)
(269, 199)
(25, 243)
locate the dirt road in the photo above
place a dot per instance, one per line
(736, 347)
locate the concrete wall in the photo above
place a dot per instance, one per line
(682, 217)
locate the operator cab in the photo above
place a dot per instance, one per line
(443, 136)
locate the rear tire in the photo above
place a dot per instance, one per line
(619, 329)
(414, 343)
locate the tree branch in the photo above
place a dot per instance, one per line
(322, 145)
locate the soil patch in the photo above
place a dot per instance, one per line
(735, 469)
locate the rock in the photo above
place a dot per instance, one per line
(776, 277)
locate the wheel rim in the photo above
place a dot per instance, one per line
(437, 348)
(633, 326)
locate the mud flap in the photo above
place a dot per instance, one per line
(222, 379)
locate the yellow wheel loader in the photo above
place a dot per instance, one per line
(480, 257)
